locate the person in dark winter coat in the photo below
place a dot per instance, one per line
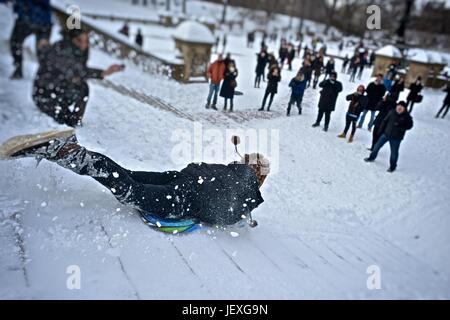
(328, 97)
(283, 54)
(392, 129)
(446, 103)
(375, 92)
(229, 84)
(317, 67)
(139, 39)
(307, 70)
(125, 30)
(358, 102)
(262, 60)
(60, 89)
(329, 68)
(414, 93)
(215, 194)
(298, 85)
(344, 64)
(32, 17)
(384, 107)
(290, 55)
(397, 87)
(354, 64)
(272, 87)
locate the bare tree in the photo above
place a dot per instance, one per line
(224, 11)
(330, 12)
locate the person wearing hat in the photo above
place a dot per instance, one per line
(383, 107)
(60, 87)
(392, 129)
(328, 97)
(358, 102)
(215, 194)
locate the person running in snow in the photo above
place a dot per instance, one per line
(229, 84)
(32, 17)
(215, 75)
(414, 94)
(139, 39)
(328, 97)
(261, 62)
(375, 92)
(393, 129)
(446, 103)
(298, 85)
(215, 194)
(60, 87)
(383, 107)
(329, 68)
(358, 102)
(272, 87)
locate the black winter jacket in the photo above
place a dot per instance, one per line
(375, 93)
(395, 125)
(357, 103)
(328, 94)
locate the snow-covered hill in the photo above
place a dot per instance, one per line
(326, 218)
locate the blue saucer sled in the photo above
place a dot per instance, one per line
(169, 225)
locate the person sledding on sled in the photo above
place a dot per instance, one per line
(214, 194)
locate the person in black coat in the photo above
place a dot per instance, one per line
(446, 104)
(328, 97)
(414, 93)
(358, 102)
(60, 87)
(375, 92)
(272, 87)
(329, 68)
(384, 106)
(261, 62)
(215, 194)
(392, 129)
(290, 55)
(317, 67)
(139, 39)
(229, 84)
(397, 87)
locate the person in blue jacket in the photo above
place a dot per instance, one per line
(32, 17)
(298, 85)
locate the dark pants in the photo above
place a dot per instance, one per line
(375, 136)
(226, 102)
(266, 95)
(66, 106)
(295, 100)
(393, 143)
(327, 117)
(147, 191)
(445, 107)
(350, 120)
(20, 32)
(316, 80)
(258, 79)
(410, 104)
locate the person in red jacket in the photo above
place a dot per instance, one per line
(215, 75)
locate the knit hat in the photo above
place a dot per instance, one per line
(402, 103)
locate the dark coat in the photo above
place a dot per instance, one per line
(63, 66)
(329, 67)
(317, 66)
(139, 39)
(272, 85)
(447, 97)
(395, 125)
(395, 90)
(298, 87)
(375, 93)
(261, 63)
(383, 108)
(223, 193)
(329, 94)
(414, 91)
(358, 103)
(36, 13)
(227, 89)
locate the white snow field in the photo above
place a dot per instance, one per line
(327, 217)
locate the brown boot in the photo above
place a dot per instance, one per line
(342, 135)
(66, 149)
(350, 139)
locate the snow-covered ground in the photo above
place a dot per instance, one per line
(326, 218)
